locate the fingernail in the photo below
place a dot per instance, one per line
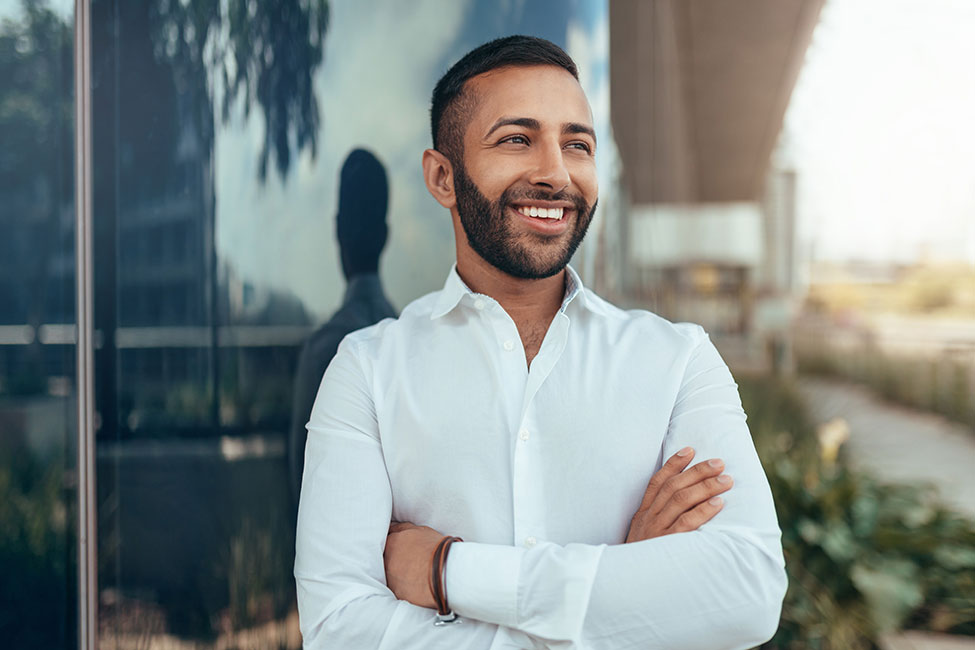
(724, 478)
(715, 501)
(686, 451)
(715, 462)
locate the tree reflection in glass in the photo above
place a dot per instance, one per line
(37, 541)
(195, 539)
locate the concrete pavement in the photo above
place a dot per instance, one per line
(897, 443)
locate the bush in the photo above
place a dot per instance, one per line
(863, 558)
(37, 592)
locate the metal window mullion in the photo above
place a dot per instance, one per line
(87, 533)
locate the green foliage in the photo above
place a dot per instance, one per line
(264, 53)
(36, 555)
(863, 558)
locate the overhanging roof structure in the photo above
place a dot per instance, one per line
(699, 92)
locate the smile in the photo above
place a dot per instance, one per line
(540, 213)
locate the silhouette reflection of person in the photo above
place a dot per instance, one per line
(361, 230)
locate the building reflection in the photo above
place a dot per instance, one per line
(218, 139)
(37, 339)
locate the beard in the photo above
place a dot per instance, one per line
(530, 256)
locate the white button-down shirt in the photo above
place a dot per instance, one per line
(436, 419)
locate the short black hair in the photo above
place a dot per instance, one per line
(452, 105)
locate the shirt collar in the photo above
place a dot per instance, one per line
(454, 291)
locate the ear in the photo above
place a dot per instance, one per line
(438, 174)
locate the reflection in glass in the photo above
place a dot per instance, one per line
(193, 367)
(37, 335)
(219, 134)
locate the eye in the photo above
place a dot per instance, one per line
(514, 139)
(581, 146)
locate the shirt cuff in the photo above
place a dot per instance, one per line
(482, 581)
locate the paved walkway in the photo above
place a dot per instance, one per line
(927, 641)
(897, 443)
(901, 444)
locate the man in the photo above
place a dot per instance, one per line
(517, 410)
(360, 227)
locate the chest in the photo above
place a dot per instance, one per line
(532, 335)
(472, 436)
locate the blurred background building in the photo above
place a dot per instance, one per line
(759, 165)
(699, 95)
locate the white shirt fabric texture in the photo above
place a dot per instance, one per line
(436, 419)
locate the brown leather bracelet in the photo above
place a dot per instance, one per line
(445, 609)
(438, 581)
(435, 574)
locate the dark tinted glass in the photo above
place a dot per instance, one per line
(37, 333)
(220, 130)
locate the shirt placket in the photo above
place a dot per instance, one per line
(528, 488)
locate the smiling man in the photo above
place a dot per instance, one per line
(511, 463)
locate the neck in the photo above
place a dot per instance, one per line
(525, 300)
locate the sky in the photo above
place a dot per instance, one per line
(881, 130)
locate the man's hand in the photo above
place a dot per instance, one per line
(409, 561)
(677, 501)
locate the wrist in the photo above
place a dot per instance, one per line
(438, 580)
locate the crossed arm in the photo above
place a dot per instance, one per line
(719, 583)
(676, 501)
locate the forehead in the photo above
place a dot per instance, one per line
(544, 92)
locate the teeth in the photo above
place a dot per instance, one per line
(541, 213)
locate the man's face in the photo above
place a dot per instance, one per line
(528, 150)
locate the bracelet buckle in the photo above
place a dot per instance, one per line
(446, 619)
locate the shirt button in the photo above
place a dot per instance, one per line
(530, 541)
(479, 304)
(509, 345)
(524, 434)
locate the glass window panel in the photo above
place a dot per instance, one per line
(220, 133)
(38, 542)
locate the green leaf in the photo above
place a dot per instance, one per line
(955, 557)
(890, 589)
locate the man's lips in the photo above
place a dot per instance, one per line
(543, 209)
(540, 213)
(553, 223)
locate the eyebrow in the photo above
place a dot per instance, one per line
(527, 122)
(576, 127)
(535, 125)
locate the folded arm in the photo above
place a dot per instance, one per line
(343, 518)
(718, 585)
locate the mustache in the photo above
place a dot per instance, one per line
(535, 194)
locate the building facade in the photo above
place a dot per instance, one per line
(168, 187)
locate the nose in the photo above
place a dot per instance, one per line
(550, 170)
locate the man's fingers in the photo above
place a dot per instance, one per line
(698, 516)
(699, 472)
(399, 526)
(673, 467)
(688, 498)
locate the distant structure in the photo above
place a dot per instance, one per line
(699, 93)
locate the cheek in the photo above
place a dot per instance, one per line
(491, 179)
(588, 183)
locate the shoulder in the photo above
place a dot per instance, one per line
(644, 323)
(413, 319)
